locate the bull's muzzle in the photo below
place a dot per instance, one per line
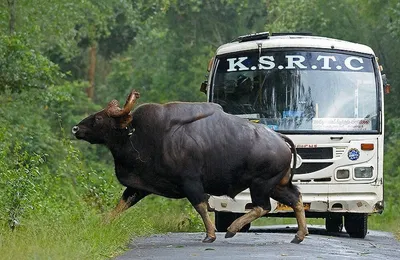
(75, 129)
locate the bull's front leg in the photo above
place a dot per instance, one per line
(195, 194)
(201, 208)
(129, 198)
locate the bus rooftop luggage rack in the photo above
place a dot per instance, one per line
(266, 35)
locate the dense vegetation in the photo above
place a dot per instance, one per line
(60, 60)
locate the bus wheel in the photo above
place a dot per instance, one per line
(224, 219)
(334, 223)
(356, 224)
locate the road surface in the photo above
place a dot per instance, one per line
(272, 242)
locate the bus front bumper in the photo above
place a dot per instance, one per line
(343, 198)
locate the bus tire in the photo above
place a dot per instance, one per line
(224, 219)
(334, 223)
(356, 224)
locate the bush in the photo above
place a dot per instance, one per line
(22, 67)
(41, 169)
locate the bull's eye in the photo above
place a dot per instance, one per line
(98, 119)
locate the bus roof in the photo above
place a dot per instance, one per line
(291, 41)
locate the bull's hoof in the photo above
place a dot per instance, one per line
(229, 234)
(209, 239)
(296, 240)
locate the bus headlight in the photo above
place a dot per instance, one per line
(363, 172)
(342, 174)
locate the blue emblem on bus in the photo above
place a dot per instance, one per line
(353, 154)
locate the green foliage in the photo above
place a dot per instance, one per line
(34, 159)
(68, 103)
(66, 22)
(20, 180)
(22, 67)
(180, 28)
(55, 190)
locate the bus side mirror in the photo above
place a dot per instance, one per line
(203, 87)
(386, 85)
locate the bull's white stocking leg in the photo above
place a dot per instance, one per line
(210, 228)
(193, 188)
(301, 221)
(290, 195)
(239, 223)
(129, 198)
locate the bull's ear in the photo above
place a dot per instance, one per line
(124, 120)
(113, 103)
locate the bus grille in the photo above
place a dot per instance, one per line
(311, 167)
(316, 153)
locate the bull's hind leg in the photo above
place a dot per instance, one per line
(288, 194)
(247, 218)
(261, 205)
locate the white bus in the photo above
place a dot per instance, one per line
(327, 96)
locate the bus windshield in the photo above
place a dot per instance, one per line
(299, 90)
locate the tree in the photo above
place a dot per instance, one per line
(174, 44)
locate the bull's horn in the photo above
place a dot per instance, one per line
(130, 101)
(114, 110)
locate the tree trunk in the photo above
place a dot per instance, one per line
(92, 69)
(11, 9)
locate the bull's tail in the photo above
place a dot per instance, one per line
(294, 152)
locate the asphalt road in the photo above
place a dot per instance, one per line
(272, 242)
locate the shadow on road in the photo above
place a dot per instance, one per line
(312, 229)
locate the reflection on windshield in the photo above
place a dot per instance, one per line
(299, 95)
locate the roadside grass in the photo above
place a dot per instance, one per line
(387, 221)
(85, 235)
(69, 238)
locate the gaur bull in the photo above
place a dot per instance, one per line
(193, 150)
